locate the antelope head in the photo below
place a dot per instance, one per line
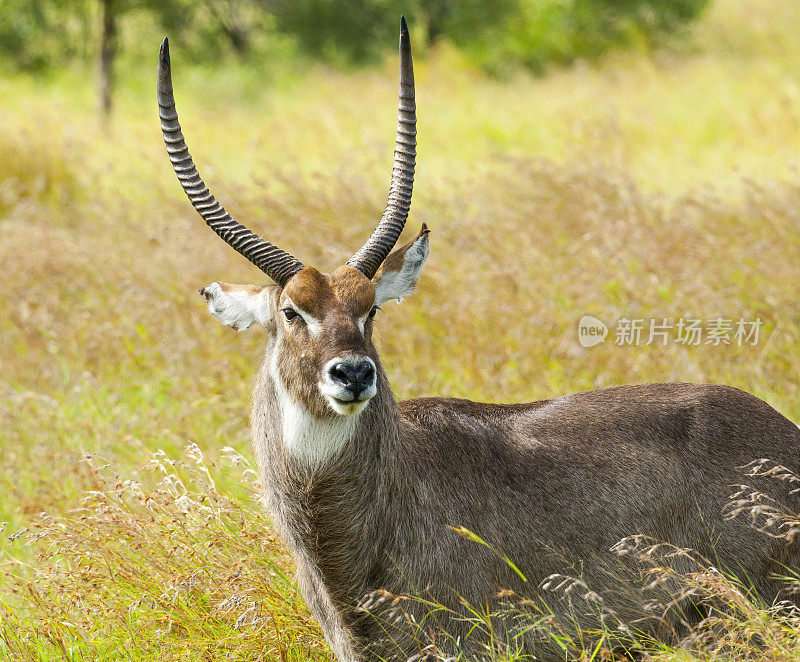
(320, 325)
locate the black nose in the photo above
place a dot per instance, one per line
(356, 375)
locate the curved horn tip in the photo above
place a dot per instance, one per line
(405, 40)
(164, 73)
(424, 229)
(277, 264)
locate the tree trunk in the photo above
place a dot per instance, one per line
(108, 51)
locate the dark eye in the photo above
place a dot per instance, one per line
(372, 312)
(291, 315)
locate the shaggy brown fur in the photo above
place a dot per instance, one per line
(552, 485)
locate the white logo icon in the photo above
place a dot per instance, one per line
(591, 331)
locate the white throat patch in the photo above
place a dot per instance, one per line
(310, 440)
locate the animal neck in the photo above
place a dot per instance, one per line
(329, 481)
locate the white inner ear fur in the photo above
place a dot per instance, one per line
(238, 306)
(400, 283)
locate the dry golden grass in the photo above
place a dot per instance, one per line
(159, 569)
(660, 185)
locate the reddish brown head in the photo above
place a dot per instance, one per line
(321, 326)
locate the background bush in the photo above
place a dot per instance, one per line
(504, 35)
(498, 35)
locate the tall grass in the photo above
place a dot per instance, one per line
(164, 569)
(166, 566)
(647, 187)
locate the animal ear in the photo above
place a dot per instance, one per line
(238, 306)
(401, 269)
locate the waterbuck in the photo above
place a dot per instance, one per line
(371, 494)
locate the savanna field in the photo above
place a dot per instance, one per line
(648, 185)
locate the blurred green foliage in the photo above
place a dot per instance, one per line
(499, 36)
(536, 33)
(36, 35)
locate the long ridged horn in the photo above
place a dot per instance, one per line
(383, 238)
(277, 264)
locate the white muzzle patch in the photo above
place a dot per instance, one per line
(348, 383)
